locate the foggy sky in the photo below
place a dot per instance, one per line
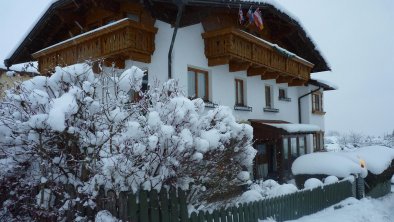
(355, 36)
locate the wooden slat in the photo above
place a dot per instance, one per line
(284, 79)
(248, 49)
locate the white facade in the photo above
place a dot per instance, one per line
(189, 52)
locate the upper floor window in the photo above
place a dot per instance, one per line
(317, 102)
(283, 95)
(239, 92)
(268, 97)
(198, 84)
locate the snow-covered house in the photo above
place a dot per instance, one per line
(263, 74)
(17, 73)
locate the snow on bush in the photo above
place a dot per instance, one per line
(81, 129)
(105, 216)
(312, 183)
(330, 179)
(345, 163)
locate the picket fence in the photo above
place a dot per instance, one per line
(171, 206)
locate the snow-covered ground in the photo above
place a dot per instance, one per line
(353, 210)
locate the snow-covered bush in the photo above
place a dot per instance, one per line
(81, 129)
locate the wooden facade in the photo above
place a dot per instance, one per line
(243, 51)
(125, 39)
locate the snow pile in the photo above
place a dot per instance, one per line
(295, 128)
(105, 216)
(312, 183)
(330, 179)
(353, 210)
(343, 164)
(266, 189)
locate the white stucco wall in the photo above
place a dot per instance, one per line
(189, 52)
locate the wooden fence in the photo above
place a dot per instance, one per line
(171, 206)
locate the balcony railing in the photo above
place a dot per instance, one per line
(248, 52)
(124, 39)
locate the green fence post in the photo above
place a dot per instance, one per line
(194, 217)
(216, 216)
(144, 211)
(201, 216)
(241, 213)
(182, 205)
(154, 206)
(174, 211)
(235, 213)
(132, 207)
(164, 206)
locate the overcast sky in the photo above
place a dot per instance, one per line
(356, 37)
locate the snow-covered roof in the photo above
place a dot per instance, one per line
(84, 34)
(295, 128)
(305, 47)
(342, 164)
(325, 82)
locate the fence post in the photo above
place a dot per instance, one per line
(144, 210)
(164, 209)
(154, 206)
(360, 189)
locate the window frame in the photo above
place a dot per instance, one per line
(242, 92)
(317, 106)
(196, 83)
(271, 96)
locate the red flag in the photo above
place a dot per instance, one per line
(258, 20)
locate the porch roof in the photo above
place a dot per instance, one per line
(275, 129)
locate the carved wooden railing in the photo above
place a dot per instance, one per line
(125, 39)
(231, 45)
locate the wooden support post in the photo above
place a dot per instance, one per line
(238, 66)
(284, 79)
(218, 61)
(255, 71)
(270, 75)
(297, 82)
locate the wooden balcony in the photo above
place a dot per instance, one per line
(124, 39)
(243, 51)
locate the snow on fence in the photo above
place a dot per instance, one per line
(171, 206)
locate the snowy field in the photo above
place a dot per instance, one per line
(353, 210)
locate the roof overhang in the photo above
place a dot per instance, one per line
(322, 85)
(195, 10)
(276, 129)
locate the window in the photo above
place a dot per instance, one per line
(268, 97)
(239, 92)
(134, 96)
(283, 95)
(198, 84)
(317, 102)
(318, 141)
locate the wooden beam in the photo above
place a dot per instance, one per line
(256, 71)
(297, 82)
(218, 61)
(270, 75)
(238, 66)
(284, 79)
